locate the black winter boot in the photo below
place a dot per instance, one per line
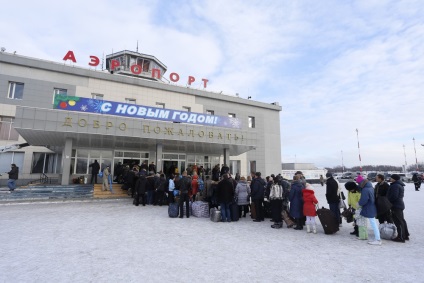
(355, 231)
(299, 225)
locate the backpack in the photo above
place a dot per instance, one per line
(201, 184)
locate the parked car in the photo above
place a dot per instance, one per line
(387, 176)
(371, 176)
(348, 176)
(407, 178)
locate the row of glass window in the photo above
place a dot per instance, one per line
(80, 164)
(16, 91)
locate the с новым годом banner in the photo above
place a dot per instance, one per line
(88, 105)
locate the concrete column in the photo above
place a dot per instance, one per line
(159, 149)
(227, 156)
(66, 156)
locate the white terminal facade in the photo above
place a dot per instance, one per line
(72, 116)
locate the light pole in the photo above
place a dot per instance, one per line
(359, 151)
(404, 153)
(416, 160)
(342, 163)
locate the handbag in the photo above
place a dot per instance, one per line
(348, 215)
(100, 174)
(383, 205)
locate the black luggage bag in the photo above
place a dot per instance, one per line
(328, 220)
(234, 210)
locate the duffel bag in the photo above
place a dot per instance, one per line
(388, 231)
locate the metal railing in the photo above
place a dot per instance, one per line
(44, 179)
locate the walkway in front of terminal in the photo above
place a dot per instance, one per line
(115, 241)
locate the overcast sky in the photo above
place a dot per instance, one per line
(334, 66)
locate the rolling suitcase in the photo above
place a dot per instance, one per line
(287, 219)
(234, 209)
(252, 211)
(215, 214)
(173, 210)
(328, 220)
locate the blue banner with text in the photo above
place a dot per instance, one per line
(88, 105)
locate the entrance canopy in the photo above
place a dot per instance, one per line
(44, 127)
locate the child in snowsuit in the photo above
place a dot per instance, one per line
(353, 197)
(309, 203)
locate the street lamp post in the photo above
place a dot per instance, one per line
(416, 160)
(342, 163)
(404, 153)
(359, 151)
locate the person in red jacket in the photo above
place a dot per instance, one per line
(194, 186)
(309, 202)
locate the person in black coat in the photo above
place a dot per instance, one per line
(13, 176)
(150, 188)
(332, 195)
(380, 190)
(258, 190)
(417, 181)
(140, 189)
(225, 196)
(95, 169)
(152, 167)
(395, 195)
(185, 187)
(160, 187)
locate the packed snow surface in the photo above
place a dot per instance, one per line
(114, 241)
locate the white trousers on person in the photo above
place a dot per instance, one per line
(310, 220)
(375, 228)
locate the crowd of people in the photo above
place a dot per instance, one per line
(272, 197)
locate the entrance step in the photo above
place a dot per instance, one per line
(117, 192)
(47, 192)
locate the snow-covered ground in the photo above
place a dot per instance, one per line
(114, 241)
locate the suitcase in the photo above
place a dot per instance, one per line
(215, 214)
(173, 210)
(388, 231)
(234, 210)
(267, 209)
(200, 209)
(252, 211)
(328, 220)
(287, 219)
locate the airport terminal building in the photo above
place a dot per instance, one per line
(128, 113)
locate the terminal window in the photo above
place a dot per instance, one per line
(130, 100)
(7, 132)
(231, 115)
(16, 90)
(60, 91)
(160, 105)
(97, 96)
(186, 108)
(210, 112)
(251, 122)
